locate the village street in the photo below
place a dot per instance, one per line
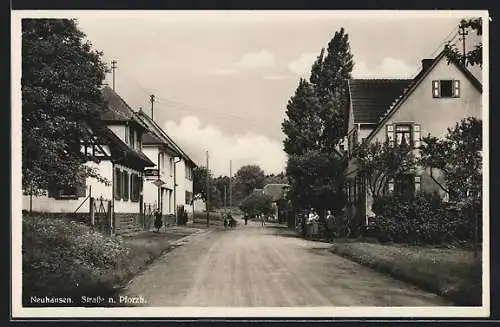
(267, 266)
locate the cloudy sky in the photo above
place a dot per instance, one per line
(222, 80)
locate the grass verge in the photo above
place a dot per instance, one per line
(64, 259)
(452, 273)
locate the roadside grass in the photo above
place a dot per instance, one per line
(453, 273)
(68, 259)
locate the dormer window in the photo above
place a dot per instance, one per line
(446, 88)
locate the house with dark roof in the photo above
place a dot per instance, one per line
(118, 158)
(169, 184)
(401, 110)
(277, 192)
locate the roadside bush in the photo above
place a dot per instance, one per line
(64, 258)
(422, 219)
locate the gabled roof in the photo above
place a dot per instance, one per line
(370, 98)
(117, 110)
(416, 82)
(275, 191)
(159, 134)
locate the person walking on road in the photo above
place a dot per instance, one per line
(263, 220)
(330, 225)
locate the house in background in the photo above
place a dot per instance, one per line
(169, 184)
(443, 93)
(277, 192)
(120, 161)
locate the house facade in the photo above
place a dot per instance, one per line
(402, 111)
(168, 185)
(119, 159)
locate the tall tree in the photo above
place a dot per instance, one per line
(303, 124)
(474, 56)
(60, 84)
(200, 176)
(329, 77)
(248, 178)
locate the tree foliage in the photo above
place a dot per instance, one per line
(379, 162)
(317, 180)
(474, 56)
(200, 186)
(248, 178)
(315, 125)
(61, 80)
(459, 157)
(257, 203)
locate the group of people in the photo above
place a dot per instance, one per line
(313, 222)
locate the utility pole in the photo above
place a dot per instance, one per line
(208, 194)
(463, 33)
(113, 67)
(225, 206)
(230, 185)
(152, 100)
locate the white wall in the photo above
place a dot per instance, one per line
(119, 131)
(45, 204)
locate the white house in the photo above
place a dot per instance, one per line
(169, 184)
(443, 93)
(120, 161)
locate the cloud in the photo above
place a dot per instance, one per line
(262, 58)
(302, 65)
(389, 68)
(226, 72)
(242, 149)
(275, 77)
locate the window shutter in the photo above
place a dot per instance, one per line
(81, 190)
(118, 179)
(390, 134)
(390, 185)
(416, 135)
(456, 89)
(125, 186)
(417, 183)
(435, 89)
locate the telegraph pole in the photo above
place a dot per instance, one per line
(208, 194)
(152, 100)
(225, 196)
(113, 67)
(463, 33)
(230, 185)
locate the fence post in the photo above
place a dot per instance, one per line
(110, 218)
(92, 211)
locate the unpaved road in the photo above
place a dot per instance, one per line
(252, 266)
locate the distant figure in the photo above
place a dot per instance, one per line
(158, 222)
(330, 225)
(262, 220)
(246, 219)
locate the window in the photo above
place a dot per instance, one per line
(446, 89)
(125, 186)
(132, 139)
(188, 197)
(68, 192)
(134, 187)
(118, 183)
(403, 134)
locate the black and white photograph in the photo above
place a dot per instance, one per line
(250, 164)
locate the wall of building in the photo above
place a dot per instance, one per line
(119, 131)
(436, 115)
(45, 204)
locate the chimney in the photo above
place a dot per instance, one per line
(426, 63)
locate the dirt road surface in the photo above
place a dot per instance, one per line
(254, 266)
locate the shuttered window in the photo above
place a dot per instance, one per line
(125, 186)
(118, 183)
(416, 135)
(390, 134)
(134, 187)
(446, 89)
(67, 193)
